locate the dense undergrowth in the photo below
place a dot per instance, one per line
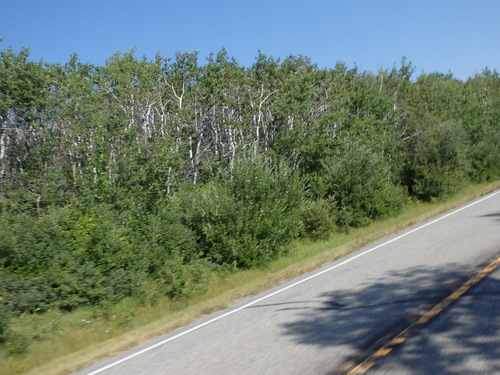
(129, 183)
(61, 342)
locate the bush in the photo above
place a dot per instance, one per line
(25, 294)
(359, 181)
(438, 165)
(248, 215)
(485, 158)
(318, 218)
(182, 280)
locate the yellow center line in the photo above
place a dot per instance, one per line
(396, 340)
(425, 318)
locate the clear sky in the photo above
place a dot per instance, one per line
(457, 36)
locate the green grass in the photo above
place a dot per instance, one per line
(63, 342)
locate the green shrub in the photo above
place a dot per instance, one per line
(181, 280)
(245, 217)
(360, 183)
(438, 165)
(485, 158)
(318, 218)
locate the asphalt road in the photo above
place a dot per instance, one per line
(324, 322)
(463, 339)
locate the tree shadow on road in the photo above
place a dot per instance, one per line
(465, 339)
(368, 317)
(495, 215)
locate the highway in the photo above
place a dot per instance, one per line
(463, 339)
(327, 321)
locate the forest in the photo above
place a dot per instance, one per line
(141, 178)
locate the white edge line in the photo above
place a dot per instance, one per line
(234, 311)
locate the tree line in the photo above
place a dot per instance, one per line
(141, 178)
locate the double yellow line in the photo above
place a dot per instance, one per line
(424, 319)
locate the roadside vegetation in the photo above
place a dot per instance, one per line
(133, 193)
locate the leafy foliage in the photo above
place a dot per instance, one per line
(439, 164)
(140, 179)
(360, 183)
(245, 217)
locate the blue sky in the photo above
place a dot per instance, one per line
(457, 36)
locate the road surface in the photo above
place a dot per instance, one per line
(463, 339)
(324, 322)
